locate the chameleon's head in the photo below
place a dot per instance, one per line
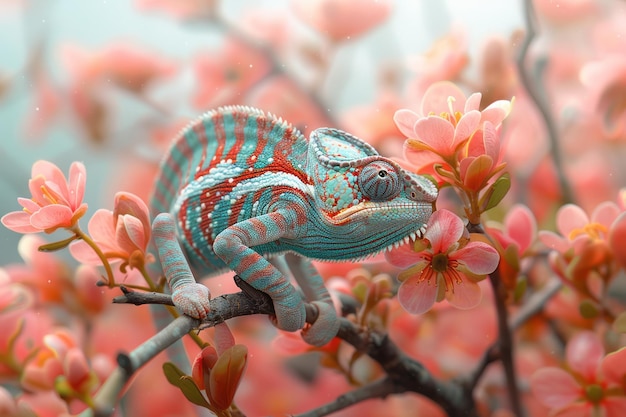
(354, 184)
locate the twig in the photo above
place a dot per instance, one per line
(532, 307)
(107, 397)
(378, 389)
(407, 373)
(540, 100)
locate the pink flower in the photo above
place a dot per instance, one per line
(445, 60)
(576, 228)
(226, 75)
(514, 239)
(55, 202)
(122, 234)
(120, 65)
(42, 371)
(593, 384)
(448, 120)
(606, 82)
(342, 19)
(445, 264)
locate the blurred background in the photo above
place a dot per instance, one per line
(110, 82)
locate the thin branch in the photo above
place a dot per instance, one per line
(535, 89)
(107, 397)
(377, 389)
(405, 373)
(533, 306)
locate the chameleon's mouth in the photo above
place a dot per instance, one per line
(368, 207)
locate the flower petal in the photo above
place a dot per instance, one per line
(473, 102)
(129, 234)
(613, 366)
(521, 226)
(28, 204)
(437, 98)
(443, 230)
(570, 217)
(553, 241)
(614, 406)
(496, 112)
(128, 203)
(78, 177)
(584, 352)
(554, 387)
(465, 295)
(405, 120)
(479, 257)
(51, 217)
(617, 238)
(100, 227)
(437, 133)
(416, 296)
(19, 222)
(49, 171)
(403, 256)
(466, 126)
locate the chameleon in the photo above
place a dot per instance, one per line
(240, 187)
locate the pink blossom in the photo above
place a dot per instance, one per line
(122, 234)
(606, 84)
(42, 371)
(55, 201)
(123, 65)
(576, 228)
(445, 60)
(445, 264)
(224, 76)
(342, 19)
(594, 382)
(447, 121)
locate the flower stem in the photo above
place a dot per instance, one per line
(505, 336)
(105, 262)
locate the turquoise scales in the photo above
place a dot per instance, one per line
(242, 185)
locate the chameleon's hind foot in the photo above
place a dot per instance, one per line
(325, 327)
(193, 300)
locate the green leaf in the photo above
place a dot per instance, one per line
(588, 309)
(619, 325)
(496, 192)
(184, 382)
(520, 289)
(54, 246)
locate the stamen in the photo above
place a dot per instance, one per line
(48, 195)
(593, 230)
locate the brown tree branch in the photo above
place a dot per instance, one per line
(403, 373)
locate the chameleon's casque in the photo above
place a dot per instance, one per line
(242, 185)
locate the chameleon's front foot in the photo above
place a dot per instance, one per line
(192, 300)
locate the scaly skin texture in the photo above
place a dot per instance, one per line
(241, 185)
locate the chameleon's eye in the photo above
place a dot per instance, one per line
(379, 181)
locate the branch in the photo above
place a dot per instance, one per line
(403, 373)
(378, 389)
(106, 399)
(534, 91)
(406, 373)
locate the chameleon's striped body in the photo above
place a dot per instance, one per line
(242, 185)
